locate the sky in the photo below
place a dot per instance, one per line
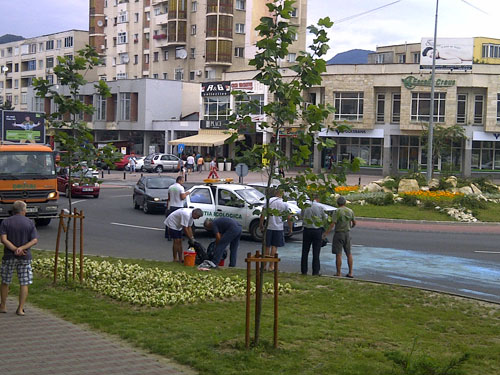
(404, 21)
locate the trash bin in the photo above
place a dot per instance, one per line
(189, 257)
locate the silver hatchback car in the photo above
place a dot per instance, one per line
(161, 162)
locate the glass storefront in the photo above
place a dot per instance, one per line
(485, 155)
(368, 149)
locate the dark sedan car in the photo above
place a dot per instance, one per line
(151, 193)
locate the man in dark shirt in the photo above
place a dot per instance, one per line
(227, 231)
(18, 234)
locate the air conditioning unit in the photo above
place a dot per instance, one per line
(48, 70)
(198, 73)
(103, 47)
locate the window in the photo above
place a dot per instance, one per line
(125, 106)
(179, 74)
(293, 13)
(146, 58)
(16, 83)
(165, 55)
(401, 58)
(380, 107)
(49, 44)
(291, 57)
(156, 56)
(50, 78)
(228, 198)
(40, 47)
(136, 17)
(216, 108)
(194, 6)
(40, 64)
(491, 50)
(421, 104)
(49, 62)
(121, 76)
(239, 52)
(114, 61)
(461, 108)
(58, 44)
(122, 38)
(478, 109)
(165, 75)
(209, 74)
(148, 16)
(193, 53)
(16, 99)
(498, 108)
(240, 28)
(193, 29)
(16, 67)
(33, 48)
(68, 42)
(348, 105)
(155, 75)
(38, 104)
(254, 103)
(240, 4)
(157, 11)
(31, 65)
(379, 58)
(485, 155)
(123, 17)
(201, 195)
(416, 57)
(136, 59)
(100, 110)
(191, 75)
(124, 59)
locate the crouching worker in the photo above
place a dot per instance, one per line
(227, 232)
(178, 223)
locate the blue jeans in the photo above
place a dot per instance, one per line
(232, 239)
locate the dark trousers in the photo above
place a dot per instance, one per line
(311, 237)
(168, 212)
(230, 238)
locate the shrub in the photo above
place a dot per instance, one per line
(469, 201)
(428, 203)
(443, 185)
(409, 200)
(392, 184)
(385, 200)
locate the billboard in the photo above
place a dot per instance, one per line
(23, 127)
(216, 88)
(451, 53)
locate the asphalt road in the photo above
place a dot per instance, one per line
(453, 258)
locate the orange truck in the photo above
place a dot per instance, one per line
(28, 173)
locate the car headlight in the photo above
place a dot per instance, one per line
(76, 184)
(156, 199)
(52, 194)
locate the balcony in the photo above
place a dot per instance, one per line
(161, 19)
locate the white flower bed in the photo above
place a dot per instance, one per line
(154, 286)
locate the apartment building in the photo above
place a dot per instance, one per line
(186, 40)
(24, 60)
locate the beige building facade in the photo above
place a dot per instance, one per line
(187, 40)
(24, 60)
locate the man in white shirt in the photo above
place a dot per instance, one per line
(275, 234)
(179, 223)
(176, 197)
(190, 163)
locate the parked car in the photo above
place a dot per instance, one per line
(151, 193)
(161, 162)
(235, 201)
(82, 183)
(122, 164)
(139, 164)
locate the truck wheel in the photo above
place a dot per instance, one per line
(42, 222)
(255, 231)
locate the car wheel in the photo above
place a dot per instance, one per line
(42, 222)
(159, 169)
(96, 196)
(145, 207)
(136, 205)
(255, 231)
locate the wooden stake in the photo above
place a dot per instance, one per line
(61, 226)
(81, 246)
(276, 290)
(249, 286)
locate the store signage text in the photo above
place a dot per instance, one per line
(215, 88)
(245, 85)
(411, 82)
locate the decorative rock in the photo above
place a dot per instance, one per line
(386, 189)
(452, 180)
(424, 188)
(467, 190)
(433, 184)
(372, 188)
(475, 189)
(407, 185)
(379, 182)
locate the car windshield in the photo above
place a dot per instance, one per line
(252, 196)
(159, 183)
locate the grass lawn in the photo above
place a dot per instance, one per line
(399, 211)
(327, 326)
(491, 213)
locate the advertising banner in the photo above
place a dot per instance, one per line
(23, 127)
(354, 133)
(216, 88)
(451, 53)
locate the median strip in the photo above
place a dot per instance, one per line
(137, 226)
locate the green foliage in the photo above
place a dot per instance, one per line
(384, 200)
(409, 200)
(7, 106)
(469, 201)
(429, 203)
(443, 184)
(392, 184)
(421, 180)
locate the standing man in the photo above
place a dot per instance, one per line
(199, 163)
(190, 163)
(18, 234)
(314, 217)
(176, 197)
(275, 234)
(344, 221)
(213, 169)
(227, 231)
(132, 162)
(179, 223)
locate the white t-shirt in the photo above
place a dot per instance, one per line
(276, 222)
(190, 159)
(179, 219)
(174, 193)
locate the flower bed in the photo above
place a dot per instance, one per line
(346, 189)
(155, 287)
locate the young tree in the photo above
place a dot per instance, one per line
(7, 106)
(72, 135)
(285, 108)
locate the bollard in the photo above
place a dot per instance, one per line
(124, 175)
(109, 170)
(102, 174)
(359, 182)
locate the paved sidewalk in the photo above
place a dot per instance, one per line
(42, 344)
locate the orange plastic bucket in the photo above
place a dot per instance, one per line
(189, 258)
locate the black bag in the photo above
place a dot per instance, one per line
(211, 251)
(324, 242)
(201, 253)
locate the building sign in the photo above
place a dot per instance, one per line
(242, 85)
(216, 88)
(451, 53)
(483, 136)
(353, 133)
(213, 124)
(23, 127)
(411, 82)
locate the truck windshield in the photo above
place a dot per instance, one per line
(26, 164)
(252, 196)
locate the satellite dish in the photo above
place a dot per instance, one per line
(182, 53)
(4, 69)
(125, 59)
(100, 23)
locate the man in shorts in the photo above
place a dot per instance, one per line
(275, 234)
(176, 198)
(344, 221)
(18, 234)
(180, 222)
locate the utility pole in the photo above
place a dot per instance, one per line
(430, 164)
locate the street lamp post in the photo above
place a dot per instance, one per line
(430, 163)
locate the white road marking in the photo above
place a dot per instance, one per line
(487, 252)
(121, 196)
(81, 200)
(404, 278)
(137, 226)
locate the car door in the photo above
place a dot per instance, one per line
(230, 205)
(201, 197)
(62, 179)
(139, 191)
(172, 162)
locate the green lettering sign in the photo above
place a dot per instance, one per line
(411, 82)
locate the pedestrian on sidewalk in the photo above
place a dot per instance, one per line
(199, 163)
(344, 221)
(227, 232)
(180, 222)
(313, 218)
(190, 163)
(176, 199)
(18, 234)
(213, 169)
(132, 162)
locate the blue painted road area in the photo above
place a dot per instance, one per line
(463, 276)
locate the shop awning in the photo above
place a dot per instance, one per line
(206, 138)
